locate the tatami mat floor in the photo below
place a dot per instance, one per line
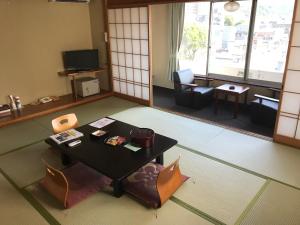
(232, 175)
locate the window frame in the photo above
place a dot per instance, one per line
(245, 79)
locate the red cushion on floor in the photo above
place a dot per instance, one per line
(142, 184)
(83, 182)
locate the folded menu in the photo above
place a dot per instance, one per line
(66, 136)
(102, 123)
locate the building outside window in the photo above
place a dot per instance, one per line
(227, 33)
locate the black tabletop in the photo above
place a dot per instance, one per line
(116, 162)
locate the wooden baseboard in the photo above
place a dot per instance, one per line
(133, 99)
(287, 140)
(65, 102)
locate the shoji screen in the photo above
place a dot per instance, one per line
(129, 51)
(288, 124)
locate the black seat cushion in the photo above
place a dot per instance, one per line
(264, 113)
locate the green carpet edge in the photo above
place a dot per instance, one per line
(252, 202)
(235, 166)
(32, 201)
(196, 211)
(21, 147)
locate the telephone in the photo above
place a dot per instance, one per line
(45, 100)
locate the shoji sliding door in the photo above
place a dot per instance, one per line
(288, 124)
(129, 52)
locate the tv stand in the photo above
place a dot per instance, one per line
(73, 75)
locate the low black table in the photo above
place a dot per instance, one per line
(116, 162)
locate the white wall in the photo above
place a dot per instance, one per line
(160, 46)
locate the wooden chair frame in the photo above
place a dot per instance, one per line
(65, 122)
(168, 181)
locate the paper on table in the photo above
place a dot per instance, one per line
(132, 147)
(102, 123)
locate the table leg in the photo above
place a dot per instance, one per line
(216, 101)
(118, 189)
(246, 98)
(74, 89)
(66, 160)
(160, 159)
(236, 106)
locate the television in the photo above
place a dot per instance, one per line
(81, 60)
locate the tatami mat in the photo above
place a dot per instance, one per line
(102, 208)
(21, 134)
(270, 159)
(25, 166)
(214, 188)
(278, 205)
(14, 209)
(91, 111)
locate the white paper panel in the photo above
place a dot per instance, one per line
(136, 47)
(137, 61)
(114, 58)
(126, 15)
(128, 45)
(112, 30)
(121, 57)
(130, 89)
(137, 76)
(123, 87)
(145, 93)
(298, 131)
(145, 63)
(144, 47)
(113, 44)
(111, 16)
(127, 31)
(135, 15)
(129, 72)
(115, 71)
(286, 126)
(135, 31)
(144, 31)
(120, 33)
(128, 52)
(290, 103)
(292, 81)
(145, 77)
(119, 16)
(128, 60)
(116, 86)
(120, 45)
(296, 35)
(298, 12)
(122, 72)
(294, 59)
(143, 15)
(137, 91)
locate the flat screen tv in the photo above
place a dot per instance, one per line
(78, 60)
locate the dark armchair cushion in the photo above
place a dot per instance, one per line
(264, 112)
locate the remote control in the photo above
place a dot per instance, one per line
(74, 143)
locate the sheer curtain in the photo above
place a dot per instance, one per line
(176, 21)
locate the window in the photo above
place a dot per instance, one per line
(229, 38)
(271, 39)
(194, 46)
(228, 34)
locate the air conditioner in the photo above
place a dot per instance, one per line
(75, 1)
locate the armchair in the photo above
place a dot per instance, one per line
(264, 110)
(189, 94)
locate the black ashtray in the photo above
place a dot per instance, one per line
(232, 87)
